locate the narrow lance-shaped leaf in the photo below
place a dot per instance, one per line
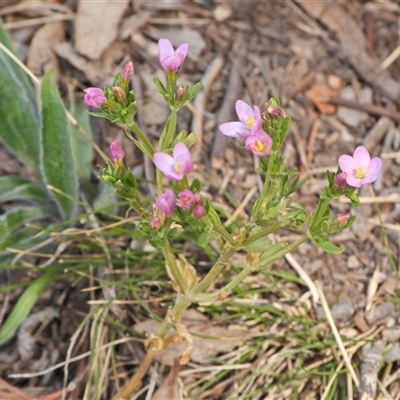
(56, 159)
(24, 305)
(19, 128)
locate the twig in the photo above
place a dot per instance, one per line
(368, 108)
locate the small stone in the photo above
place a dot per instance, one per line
(353, 262)
(349, 116)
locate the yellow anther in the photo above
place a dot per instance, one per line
(177, 166)
(260, 146)
(250, 121)
(361, 172)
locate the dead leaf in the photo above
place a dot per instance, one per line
(97, 26)
(208, 340)
(41, 56)
(318, 93)
(169, 389)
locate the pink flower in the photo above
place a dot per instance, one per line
(178, 165)
(128, 70)
(260, 143)
(166, 202)
(340, 180)
(185, 199)
(116, 152)
(250, 121)
(360, 169)
(94, 97)
(170, 59)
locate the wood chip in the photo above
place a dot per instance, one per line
(97, 25)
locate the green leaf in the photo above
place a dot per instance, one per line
(192, 91)
(257, 246)
(16, 217)
(328, 246)
(19, 128)
(161, 88)
(14, 188)
(82, 149)
(24, 305)
(57, 162)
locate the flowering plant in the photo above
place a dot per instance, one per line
(181, 205)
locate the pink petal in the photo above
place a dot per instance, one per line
(234, 129)
(374, 166)
(353, 181)
(361, 157)
(165, 50)
(347, 164)
(243, 110)
(182, 49)
(164, 162)
(181, 152)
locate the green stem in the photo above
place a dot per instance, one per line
(264, 192)
(173, 267)
(143, 139)
(225, 235)
(248, 269)
(316, 220)
(206, 282)
(263, 232)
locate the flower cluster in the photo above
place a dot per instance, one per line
(249, 127)
(175, 167)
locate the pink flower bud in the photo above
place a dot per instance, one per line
(341, 219)
(156, 222)
(116, 152)
(340, 180)
(119, 92)
(274, 112)
(128, 70)
(94, 97)
(166, 202)
(199, 211)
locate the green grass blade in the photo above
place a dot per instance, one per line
(56, 158)
(24, 305)
(19, 128)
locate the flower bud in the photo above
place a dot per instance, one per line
(166, 202)
(119, 92)
(199, 211)
(156, 222)
(185, 199)
(116, 151)
(94, 97)
(128, 70)
(180, 92)
(340, 180)
(341, 219)
(274, 112)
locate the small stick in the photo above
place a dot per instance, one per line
(368, 108)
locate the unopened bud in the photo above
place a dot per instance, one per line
(274, 112)
(128, 70)
(340, 180)
(341, 219)
(119, 92)
(116, 152)
(180, 92)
